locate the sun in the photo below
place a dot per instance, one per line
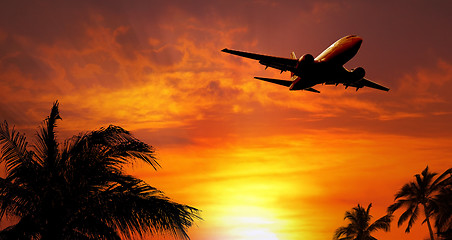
(256, 233)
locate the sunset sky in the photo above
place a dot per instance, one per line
(260, 161)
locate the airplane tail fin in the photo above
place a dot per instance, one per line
(292, 56)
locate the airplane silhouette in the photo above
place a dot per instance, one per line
(327, 68)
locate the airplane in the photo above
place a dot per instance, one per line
(327, 68)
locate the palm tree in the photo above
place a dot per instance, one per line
(359, 227)
(419, 193)
(442, 209)
(80, 190)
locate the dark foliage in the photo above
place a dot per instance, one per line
(79, 190)
(360, 227)
(425, 193)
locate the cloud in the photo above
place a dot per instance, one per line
(169, 72)
(427, 81)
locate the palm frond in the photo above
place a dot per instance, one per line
(368, 209)
(393, 207)
(46, 146)
(142, 209)
(413, 218)
(443, 210)
(14, 147)
(443, 180)
(90, 227)
(383, 223)
(343, 231)
(14, 199)
(116, 146)
(406, 190)
(405, 215)
(26, 228)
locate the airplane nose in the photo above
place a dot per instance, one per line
(353, 40)
(357, 39)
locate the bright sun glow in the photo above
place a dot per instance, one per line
(256, 233)
(251, 223)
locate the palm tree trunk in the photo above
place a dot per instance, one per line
(427, 216)
(430, 229)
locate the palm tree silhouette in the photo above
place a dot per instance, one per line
(419, 193)
(80, 190)
(359, 227)
(442, 208)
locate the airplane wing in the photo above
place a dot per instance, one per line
(367, 83)
(283, 64)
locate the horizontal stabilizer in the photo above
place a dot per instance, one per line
(367, 83)
(312, 90)
(276, 81)
(371, 84)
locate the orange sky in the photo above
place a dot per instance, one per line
(261, 162)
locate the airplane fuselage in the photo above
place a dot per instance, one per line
(341, 51)
(328, 66)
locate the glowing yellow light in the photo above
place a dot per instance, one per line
(256, 233)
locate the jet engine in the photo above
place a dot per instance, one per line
(307, 58)
(304, 62)
(358, 73)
